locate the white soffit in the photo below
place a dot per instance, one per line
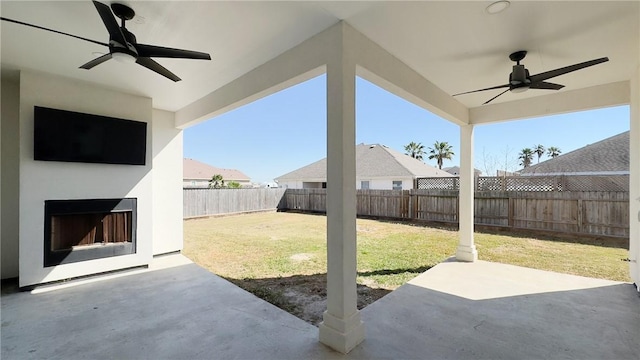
(455, 45)
(459, 47)
(239, 36)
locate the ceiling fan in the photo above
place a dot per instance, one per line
(123, 45)
(520, 80)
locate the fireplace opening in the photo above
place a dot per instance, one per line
(80, 230)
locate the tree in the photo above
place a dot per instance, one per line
(539, 150)
(526, 157)
(415, 150)
(233, 185)
(216, 182)
(441, 151)
(553, 152)
(501, 163)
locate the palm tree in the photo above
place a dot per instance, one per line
(553, 152)
(415, 150)
(539, 150)
(441, 151)
(526, 156)
(216, 182)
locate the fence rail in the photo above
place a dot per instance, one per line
(203, 202)
(597, 213)
(582, 213)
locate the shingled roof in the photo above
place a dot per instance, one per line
(372, 161)
(196, 170)
(610, 155)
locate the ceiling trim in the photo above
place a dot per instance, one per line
(594, 97)
(298, 64)
(308, 60)
(377, 65)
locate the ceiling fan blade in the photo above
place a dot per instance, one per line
(546, 86)
(110, 23)
(96, 61)
(493, 98)
(567, 69)
(154, 66)
(165, 52)
(54, 31)
(489, 88)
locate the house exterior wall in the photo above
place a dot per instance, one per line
(167, 176)
(45, 180)
(186, 183)
(374, 184)
(9, 177)
(290, 184)
(199, 183)
(385, 184)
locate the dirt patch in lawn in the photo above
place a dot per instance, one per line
(304, 296)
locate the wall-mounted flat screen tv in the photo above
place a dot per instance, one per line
(61, 135)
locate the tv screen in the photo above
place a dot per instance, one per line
(61, 135)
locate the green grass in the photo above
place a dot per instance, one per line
(273, 245)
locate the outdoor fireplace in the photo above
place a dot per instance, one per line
(80, 230)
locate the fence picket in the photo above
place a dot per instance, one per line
(203, 202)
(589, 212)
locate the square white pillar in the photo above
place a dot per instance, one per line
(634, 179)
(341, 328)
(466, 247)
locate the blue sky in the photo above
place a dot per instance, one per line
(287, 130)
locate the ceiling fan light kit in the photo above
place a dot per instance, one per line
(520, 80)
(123, 58)
(497, 7)
(123, 45)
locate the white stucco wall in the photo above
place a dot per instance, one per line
(9, 179)
(167, 177)
(46, 180)
(634, 180)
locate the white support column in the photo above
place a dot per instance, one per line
(466, 247)
(342, 328)
(634, 180)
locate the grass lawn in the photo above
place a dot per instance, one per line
(281, 257)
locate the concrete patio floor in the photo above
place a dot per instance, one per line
(455, 310)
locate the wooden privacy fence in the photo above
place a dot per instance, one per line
(582, 213)
(203, 202)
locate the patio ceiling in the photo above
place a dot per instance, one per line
(458, 46)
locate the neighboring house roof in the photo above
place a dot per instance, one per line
(455, 170)
(196, 170)
(610, 155)
(372, 161)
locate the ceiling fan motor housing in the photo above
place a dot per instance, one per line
(128, 48)
(519, 76)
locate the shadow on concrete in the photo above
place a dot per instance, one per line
(305, 296)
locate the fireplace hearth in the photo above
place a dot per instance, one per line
(80, 230)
